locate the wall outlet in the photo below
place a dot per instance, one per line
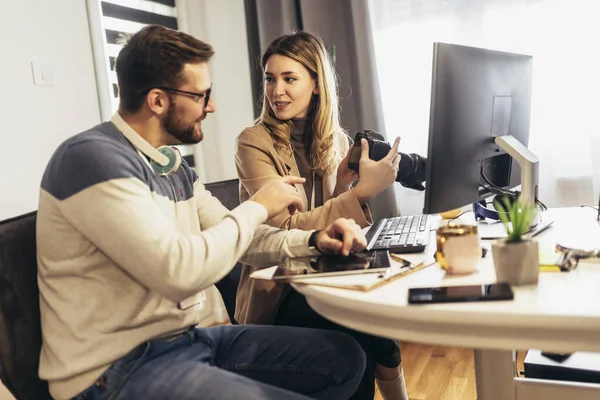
(43, 73)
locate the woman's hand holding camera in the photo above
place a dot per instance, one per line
(375, 176)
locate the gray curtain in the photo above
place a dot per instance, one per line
(345, 28)
(265, 21)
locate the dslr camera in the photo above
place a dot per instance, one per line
(411, 171)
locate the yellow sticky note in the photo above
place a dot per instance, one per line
(549, 261)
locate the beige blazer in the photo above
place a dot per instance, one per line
(258, 162)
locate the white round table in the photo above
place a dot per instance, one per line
(561, 313)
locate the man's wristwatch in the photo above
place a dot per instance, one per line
(312, 241)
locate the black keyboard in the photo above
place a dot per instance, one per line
(407, 234)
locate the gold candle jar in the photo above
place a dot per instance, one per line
(458, 248)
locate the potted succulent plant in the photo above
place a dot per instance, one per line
(516, 258)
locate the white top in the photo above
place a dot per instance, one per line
(561, 313)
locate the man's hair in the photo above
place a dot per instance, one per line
(154, 57)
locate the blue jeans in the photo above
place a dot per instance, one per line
(236, 362)
(295, 311)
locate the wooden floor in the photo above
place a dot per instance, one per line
(440, 373)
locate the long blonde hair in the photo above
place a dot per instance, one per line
(324, 115)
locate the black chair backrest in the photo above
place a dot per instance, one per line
(20, 330)
(228, 193)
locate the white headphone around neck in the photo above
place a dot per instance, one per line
(165, 160)
(174, 160)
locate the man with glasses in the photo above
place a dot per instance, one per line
(197, 97)
(128, 253)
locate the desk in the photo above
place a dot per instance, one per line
(561, 314)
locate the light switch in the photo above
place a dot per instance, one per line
(43, 73)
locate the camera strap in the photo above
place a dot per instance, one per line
(312, 194)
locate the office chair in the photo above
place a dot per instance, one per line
(20, 330)
(228, 193)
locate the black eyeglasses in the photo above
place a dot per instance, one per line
(205, 95)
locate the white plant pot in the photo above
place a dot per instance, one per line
(516, 262)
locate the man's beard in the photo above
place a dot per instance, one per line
(180, 131)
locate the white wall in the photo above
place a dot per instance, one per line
(223, 25)
(36, 119)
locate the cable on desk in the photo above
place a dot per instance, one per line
(458, 216)
(595, 209)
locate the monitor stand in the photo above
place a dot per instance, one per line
(529, 164)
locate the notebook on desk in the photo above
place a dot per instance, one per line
(405, 234)
(363, 281)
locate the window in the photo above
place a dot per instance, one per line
(560, 34)
(110, 21)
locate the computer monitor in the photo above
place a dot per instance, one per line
(479, 117)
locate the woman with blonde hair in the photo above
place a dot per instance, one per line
(299, 133)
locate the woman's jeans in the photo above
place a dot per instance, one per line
(236, 362)
(295, 311)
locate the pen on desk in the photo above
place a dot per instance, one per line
(409, 264)
(540, 230)
(399, 259)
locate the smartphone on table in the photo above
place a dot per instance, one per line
(453, 294)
